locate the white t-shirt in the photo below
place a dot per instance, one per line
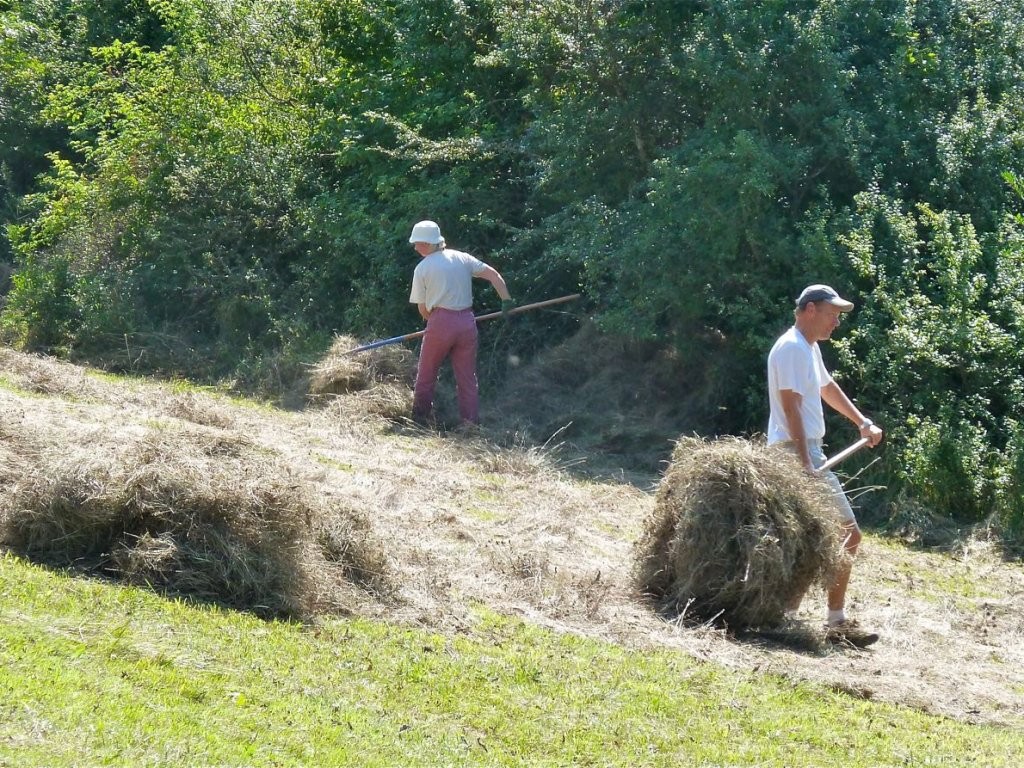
(445, 279)
(795, 364)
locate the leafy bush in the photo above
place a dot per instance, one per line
(937, 349)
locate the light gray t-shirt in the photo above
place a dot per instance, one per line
(445, 279)
(796, 364)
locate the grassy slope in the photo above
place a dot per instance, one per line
(97, 674)
(93, 673)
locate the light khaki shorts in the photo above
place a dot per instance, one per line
(817, 451)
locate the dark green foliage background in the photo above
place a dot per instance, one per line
(216, 188)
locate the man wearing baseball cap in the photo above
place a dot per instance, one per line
(798, 383)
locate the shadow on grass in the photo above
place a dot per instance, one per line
(98, 568)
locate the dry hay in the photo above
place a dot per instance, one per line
(199, 409)
(44, 376)
(739, 531)
(192, 513)
(390, 401)
(384, 401)
(340, 373)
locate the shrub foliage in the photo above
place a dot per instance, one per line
(220, 187)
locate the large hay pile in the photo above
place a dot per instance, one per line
(377, 382)
(340, 373)
(198, 513)
(738, 532)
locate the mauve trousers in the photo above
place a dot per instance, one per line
(449, 334)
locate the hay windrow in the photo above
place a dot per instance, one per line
(188, 517)
(339, 373)
(738, 531)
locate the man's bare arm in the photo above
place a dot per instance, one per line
(791, 400)
(833, 394)
(492, 276)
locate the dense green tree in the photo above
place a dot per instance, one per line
(939, 344)
(169, 216)
(42, 44)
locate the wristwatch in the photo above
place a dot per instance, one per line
(866, 423)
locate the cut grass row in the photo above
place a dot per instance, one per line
(93, 673)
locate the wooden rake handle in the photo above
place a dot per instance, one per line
(843, 454)
(491, 316)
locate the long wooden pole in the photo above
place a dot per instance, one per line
(489, 316)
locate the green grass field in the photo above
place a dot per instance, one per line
(95, 674)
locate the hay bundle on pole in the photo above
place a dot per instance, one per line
(339, 373)
(738, 531)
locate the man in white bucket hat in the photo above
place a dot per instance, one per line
(442, 290)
